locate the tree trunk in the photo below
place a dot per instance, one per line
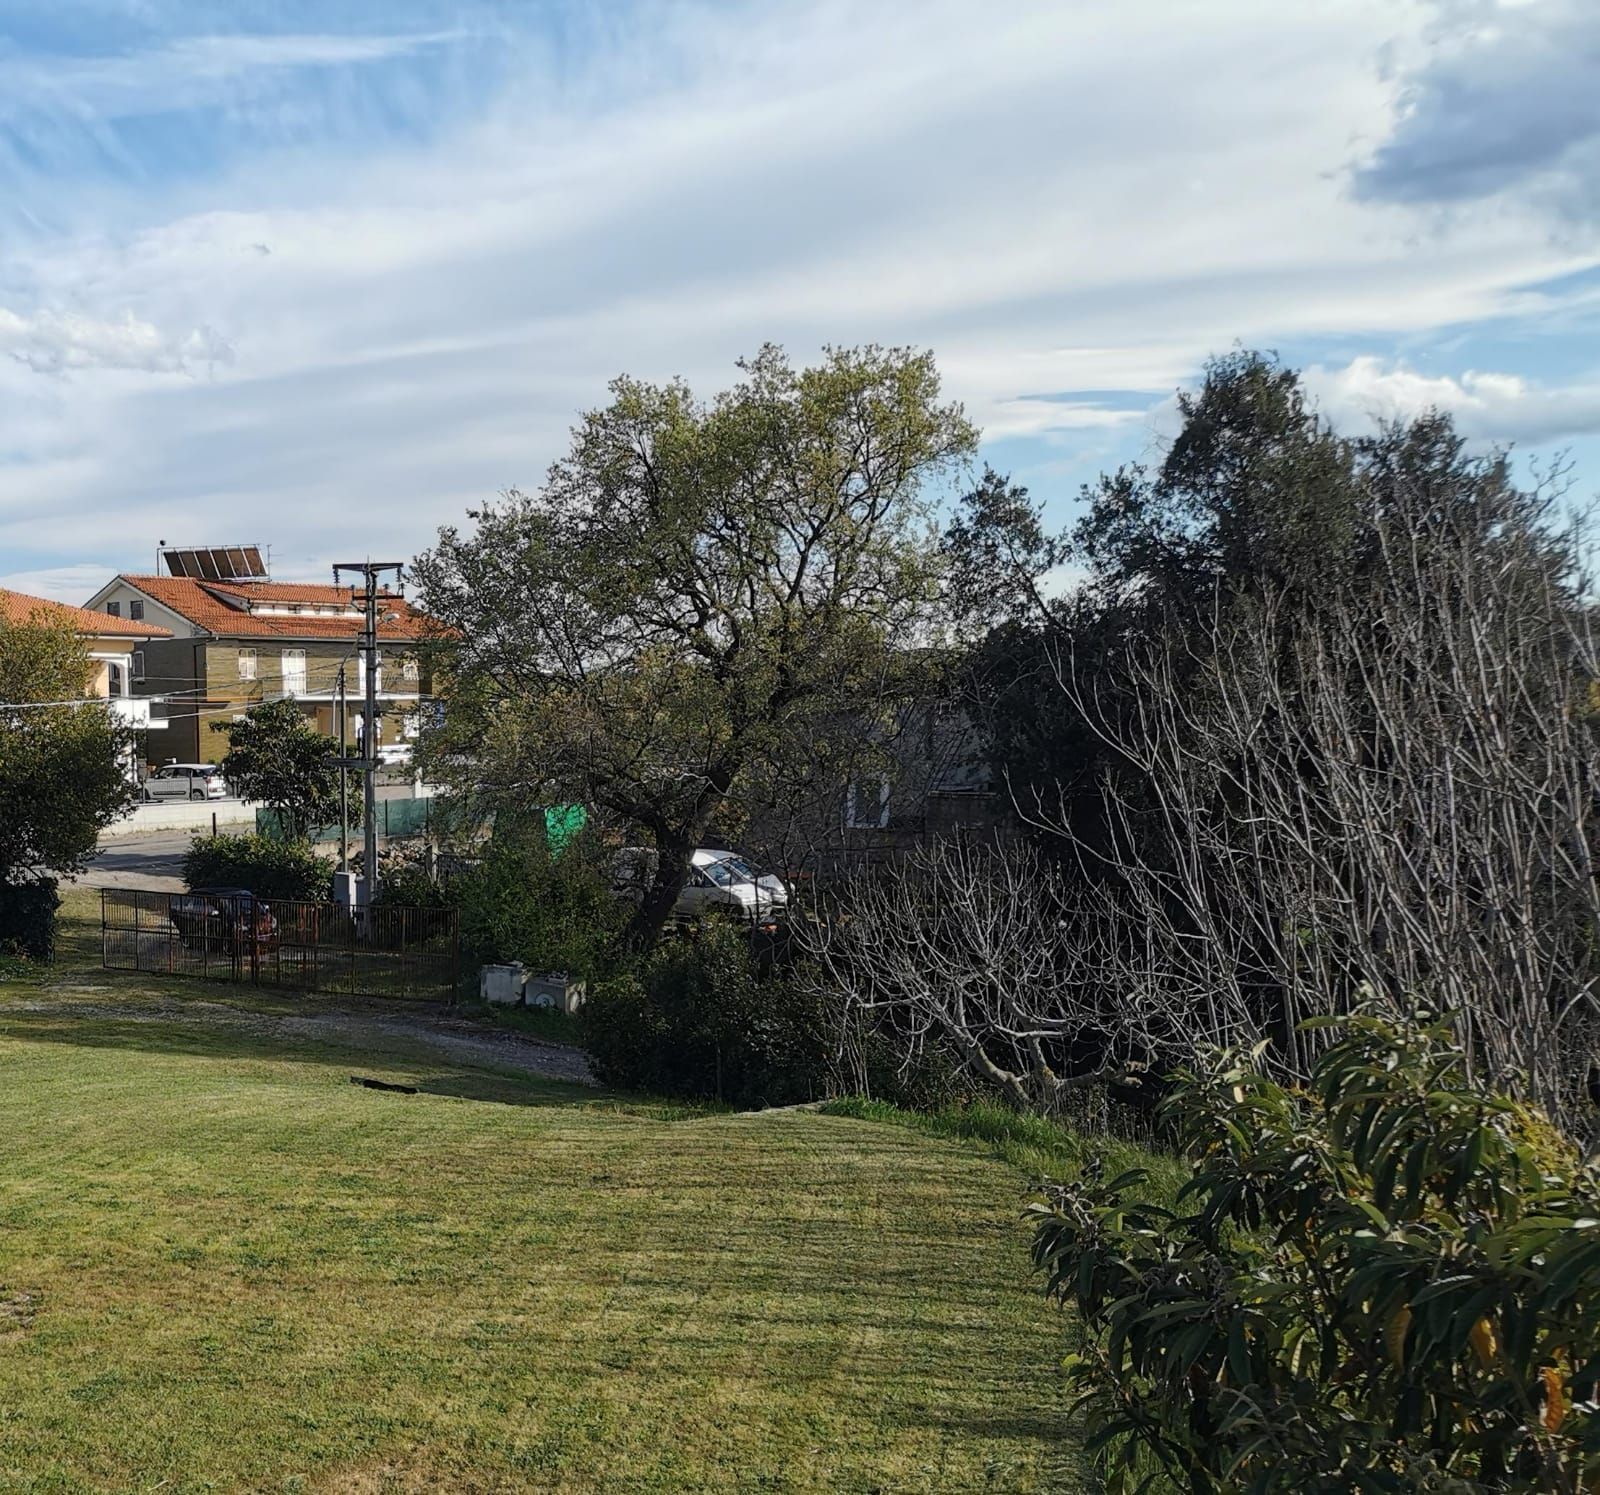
(655, 908)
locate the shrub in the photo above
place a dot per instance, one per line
(553, 913)
(697, 1020)
(274, 869)
(405, 879)
(1388, 1281)
(28, 918)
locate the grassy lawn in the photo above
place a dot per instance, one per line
(222, 1265)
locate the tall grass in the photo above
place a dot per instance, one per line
(1036, 1146)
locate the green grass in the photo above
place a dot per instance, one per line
(224, 1266)
(1038, 1148)
(536, 1022)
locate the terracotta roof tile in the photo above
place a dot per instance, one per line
(219, 608)
(19, 607)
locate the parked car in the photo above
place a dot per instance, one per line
(720, 882)
(225, 919)
(186, 781)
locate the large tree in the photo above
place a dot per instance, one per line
(1316, 724)
(277, 758)
(1256, 491)
(698, 586)
(63, 778)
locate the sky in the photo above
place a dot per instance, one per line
(322, 274)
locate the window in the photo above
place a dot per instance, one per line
(361, 675)
(410, 671)
(114, 609)
(247, 664)
(866, 805)
(727, 871)
(136, 611)
(136, 665)
(294, 672)
(114, 685)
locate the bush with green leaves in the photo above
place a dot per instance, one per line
(278, 758)
(551, 912)
(274, 869)
(697, 1019)
(406, 878)
(28, 918)
(1386, 1281)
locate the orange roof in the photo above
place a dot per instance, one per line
(222, 608)
(19, 607)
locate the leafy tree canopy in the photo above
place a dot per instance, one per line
(62, 774)
(1257, 494)
(697, 586)
(278, 759)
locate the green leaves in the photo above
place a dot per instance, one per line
(62, 774)
(704, 602)
(278, 759)
(1381, 1284)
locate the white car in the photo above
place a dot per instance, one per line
(720, 882)
(186, 781)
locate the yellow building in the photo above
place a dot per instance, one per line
(233, 643)
(116, 646)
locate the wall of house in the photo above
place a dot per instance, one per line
(119, 592)
(938, 787)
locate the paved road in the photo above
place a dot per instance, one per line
(154, 859)
(150, 861)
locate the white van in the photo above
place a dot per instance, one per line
(719, 882)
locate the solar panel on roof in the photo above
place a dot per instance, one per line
(217, 563)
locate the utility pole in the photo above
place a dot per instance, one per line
(344, 776)
(368, 648)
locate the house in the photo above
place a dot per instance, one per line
(917, 776)
(239, 638)
(117, 648)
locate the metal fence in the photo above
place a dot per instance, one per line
(412, 816)
(322, 947)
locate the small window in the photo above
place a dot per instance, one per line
(247, 664)
(866, 805)
(136, 666)
(409, 670)
(114, 609)
(136, 611)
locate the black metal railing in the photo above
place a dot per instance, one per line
(323, 947)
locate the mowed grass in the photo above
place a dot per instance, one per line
(222, 1265)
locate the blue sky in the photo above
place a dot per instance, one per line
(324, 275)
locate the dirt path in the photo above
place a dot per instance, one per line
(452, 1038)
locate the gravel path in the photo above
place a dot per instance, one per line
(452, 1038)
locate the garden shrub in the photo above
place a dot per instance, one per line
(28, 918)
(1386, 1281)
(927, 1077)
(405, 879)
(698, 1020)
(272, 869)
(551, 912)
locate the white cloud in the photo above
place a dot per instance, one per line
(186, 72)
(1495, 408)
(1503, 97)
(1073, 204)
(69, 584)
(51, 342)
